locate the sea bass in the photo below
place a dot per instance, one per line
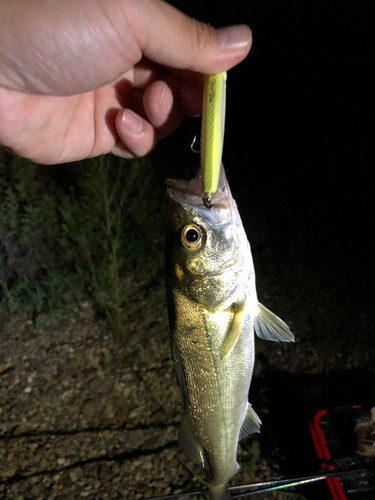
(213, 312)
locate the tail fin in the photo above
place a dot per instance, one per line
(220, 492)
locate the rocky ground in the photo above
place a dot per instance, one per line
(84, 414)
(87, 415)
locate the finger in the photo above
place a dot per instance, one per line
(191, 84)
(137, 137)
(146, 72)
(58, 48)
(167, 36)
(186, 86)
(162, 108)
(191, 96)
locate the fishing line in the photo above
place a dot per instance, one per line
(292, 481)
(279, 487)
(267, 486)
(289, 483)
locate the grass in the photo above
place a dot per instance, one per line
(93, 227)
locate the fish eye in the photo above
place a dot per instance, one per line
(192, 236)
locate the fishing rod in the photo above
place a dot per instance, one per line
(267, 486)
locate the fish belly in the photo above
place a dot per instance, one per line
(216, 387)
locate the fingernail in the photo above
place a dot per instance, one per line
(234, 37)
(162, 94)
(132, 122)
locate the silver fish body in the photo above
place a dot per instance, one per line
(213, 311)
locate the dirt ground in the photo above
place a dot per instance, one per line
(86, 415)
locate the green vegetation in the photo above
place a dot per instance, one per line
(92, 228)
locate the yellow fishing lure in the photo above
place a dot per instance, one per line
(213, 118)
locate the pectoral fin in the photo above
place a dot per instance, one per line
(234, 329)
(268, 326)
(251, 423)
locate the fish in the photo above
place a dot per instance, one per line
(213, 313)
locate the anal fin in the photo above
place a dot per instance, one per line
(251, 423)
(268, 326)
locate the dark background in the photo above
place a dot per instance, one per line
(299, 136)
(299, 155)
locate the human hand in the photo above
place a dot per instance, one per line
(80, 78)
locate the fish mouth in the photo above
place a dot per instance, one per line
(183, 187)
(191, 193)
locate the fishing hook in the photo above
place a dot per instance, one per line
(207, 202)
(192, 145)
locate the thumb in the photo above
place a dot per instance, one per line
(168, 37)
